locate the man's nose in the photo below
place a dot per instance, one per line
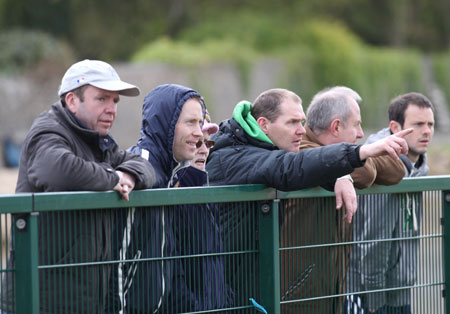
(360, 133)
(197, 131)
(301, 130)
(428, 130)
(111, 108)
(203, 150)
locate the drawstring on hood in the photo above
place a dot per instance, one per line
(160, 113)
(242, 115)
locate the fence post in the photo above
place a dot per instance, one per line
(446, 255)
(26, 259)
(269, 257)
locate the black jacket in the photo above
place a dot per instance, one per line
(60, 155)
(237, 158)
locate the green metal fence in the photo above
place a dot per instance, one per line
(209, 250)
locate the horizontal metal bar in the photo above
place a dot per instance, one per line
(222, 310)
(153, 197)
(16, 203)
(149, 259)
(360, 242)
(24, 203)
(364, 292)
(418, 184)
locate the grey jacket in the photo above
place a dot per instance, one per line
(59, 154)
(390, 264)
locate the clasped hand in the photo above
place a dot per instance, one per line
(125, 184)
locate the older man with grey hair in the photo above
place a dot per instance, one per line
(332, 117)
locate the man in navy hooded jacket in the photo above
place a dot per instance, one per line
(171, 128)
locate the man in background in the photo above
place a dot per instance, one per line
(392, 264)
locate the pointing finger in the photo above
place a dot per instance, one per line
(403, 133)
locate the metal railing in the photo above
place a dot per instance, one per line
(213, 247)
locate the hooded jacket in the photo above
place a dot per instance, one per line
(387, 264)
(243, 154)
(150, 286)
(197, 233)
(59, 154)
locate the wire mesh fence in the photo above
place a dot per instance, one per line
(209, 250)
(389, 259)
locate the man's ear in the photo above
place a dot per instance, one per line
(335, 127)
(395, 126)
(72, 102)
(263, 123)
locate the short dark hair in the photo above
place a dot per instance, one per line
(79, 92)
(400, 103)
(267, 104)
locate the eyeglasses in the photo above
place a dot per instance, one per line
(208, 143)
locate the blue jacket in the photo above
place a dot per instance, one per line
(153, 285)
(197, 233)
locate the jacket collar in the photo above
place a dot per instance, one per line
(309, 140)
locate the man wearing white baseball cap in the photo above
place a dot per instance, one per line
(68, 148)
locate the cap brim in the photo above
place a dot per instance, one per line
(123, 88)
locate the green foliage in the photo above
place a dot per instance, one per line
(189, 54)
(384, 74)
(263, 32)
(22, 50)
(320, 54)
(334, 51)
(327, 54)
(441, 67)
(51, 16)
(114, 29)
(194, 55)
(316, 54)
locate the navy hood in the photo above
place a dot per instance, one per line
(160, 113)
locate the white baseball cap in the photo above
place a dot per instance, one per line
(96, 73)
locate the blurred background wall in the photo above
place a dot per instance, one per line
(228, 50)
